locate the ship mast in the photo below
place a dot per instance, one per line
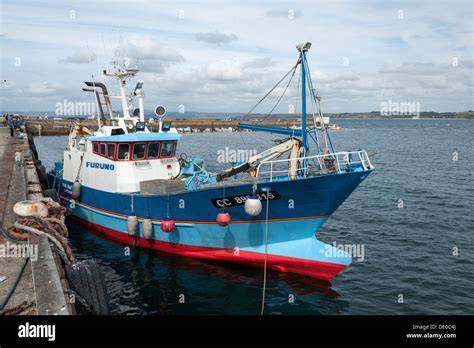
(303, 48)
(306, 81)
(122, 73)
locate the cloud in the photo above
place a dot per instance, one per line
(408, 82)
(413, 69)
(79, 57)
(389, 57)
(145, 48)
(322, 77)
(151, 56)
(216, 37)
(258, 63)
(224, 70)
(290, 13)
(262, 49)
(153, 66)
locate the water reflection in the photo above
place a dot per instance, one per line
(152, 282)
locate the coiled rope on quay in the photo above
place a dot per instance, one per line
(52, 226)
(36, 217)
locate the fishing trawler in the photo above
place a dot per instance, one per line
(128, 184)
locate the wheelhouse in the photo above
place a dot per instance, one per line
(136, 147)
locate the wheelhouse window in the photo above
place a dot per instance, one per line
(135, 151)
(153, 150)
(117, 131)
(123, 152)
(166, 149)
(139, 151)
(102, 149)
(111, 151)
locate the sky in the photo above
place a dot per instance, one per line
(216, 56)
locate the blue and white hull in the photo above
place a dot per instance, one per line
(131, 187)
(296, 211)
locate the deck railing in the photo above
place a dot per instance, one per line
(338, 162)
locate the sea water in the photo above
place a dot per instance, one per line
(413, 218)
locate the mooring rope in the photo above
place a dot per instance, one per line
(52, 226)
(265, 262)
(64, 251)
(223, 197)
(62, 229)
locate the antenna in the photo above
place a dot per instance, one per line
(303, 47)
(138, 92)
(138, 86)
(124, 69)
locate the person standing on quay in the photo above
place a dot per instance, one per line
(10, 124)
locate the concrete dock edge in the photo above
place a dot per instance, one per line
(42, 283)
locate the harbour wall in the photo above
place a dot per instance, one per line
(62, 127)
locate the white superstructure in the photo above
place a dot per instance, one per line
(122, 153)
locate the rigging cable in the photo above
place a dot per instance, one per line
(293, 69)
(298, 91)
(279, 99)
(325, 132)
(315, 125)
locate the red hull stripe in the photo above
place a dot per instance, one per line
(310, 268)
(207, 221)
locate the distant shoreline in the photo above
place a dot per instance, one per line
(222, 116)
(403, 118)
(192, 125)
